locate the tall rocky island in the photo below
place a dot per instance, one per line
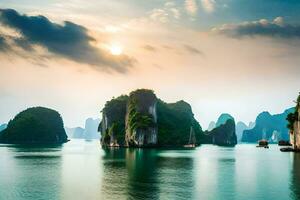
(36, 125)
(294, 125)
(143, 120)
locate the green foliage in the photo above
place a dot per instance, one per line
(144, 97)
(35, 125)
(293, 117)
(222, 135)
(138, 113)
(174, 120)
(174, 123)
(138, 120)
(115, 111)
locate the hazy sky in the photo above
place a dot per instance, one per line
(236, 56)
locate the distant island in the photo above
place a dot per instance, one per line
(269, 127)
(221, 133)
(37, 125)
(143, 120)
(89, 132)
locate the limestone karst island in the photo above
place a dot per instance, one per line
(150, 100)
(143, 120)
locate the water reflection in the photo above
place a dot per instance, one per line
(216, 173)
(146, 174)
(295, 177)
(30, 172)
(82, 170)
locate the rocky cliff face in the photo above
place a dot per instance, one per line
(112, 126)
(294, 126)
(141, 119)
(268, 127)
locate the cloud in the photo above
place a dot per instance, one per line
(149, 48)
(4, 47)
(208, 5)
(165, 14)
(159, 15)
(276, 28)
(191, 7)
(192, 50)
(69, 40)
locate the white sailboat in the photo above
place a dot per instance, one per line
(192, 139)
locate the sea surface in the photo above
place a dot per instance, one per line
(80, 169)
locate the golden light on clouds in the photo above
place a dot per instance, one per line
(116, 49)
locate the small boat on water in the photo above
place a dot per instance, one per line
(263, 143)
(284, 143)
(192, 140)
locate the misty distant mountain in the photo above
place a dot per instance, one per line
(269, 127)
(241, 127)
(2, 127)
(211, 126)
(90, 131)
(76, 133)
(223, 119)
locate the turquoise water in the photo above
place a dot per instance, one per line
(82, 170)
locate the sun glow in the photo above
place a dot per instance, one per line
(116, 49)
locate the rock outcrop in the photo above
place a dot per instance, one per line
(36, 125)
(112, 126)
(224, 134)
(175, 121)
(293, 120)
(142, 120)
(268, 127)
(223, 119)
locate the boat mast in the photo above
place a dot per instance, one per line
(297, 131)
(190, 135)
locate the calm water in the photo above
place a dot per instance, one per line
(82, 170)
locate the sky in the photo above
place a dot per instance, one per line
(240, 57)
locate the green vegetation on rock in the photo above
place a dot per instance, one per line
(223, 135)
(174, 124)
(152, 119)
(138, 110)
(113, 120)
(293, 117)
(35, 125)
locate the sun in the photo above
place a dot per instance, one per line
(116, 49)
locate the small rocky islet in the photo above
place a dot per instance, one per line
(37, 125)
